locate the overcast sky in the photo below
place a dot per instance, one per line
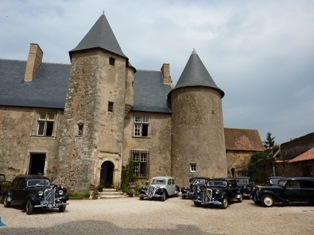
(260, 53)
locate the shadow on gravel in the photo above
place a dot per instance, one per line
(91, 227)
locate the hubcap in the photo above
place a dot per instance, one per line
(268, 201)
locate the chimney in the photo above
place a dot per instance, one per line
(165, 70)
(33, 62)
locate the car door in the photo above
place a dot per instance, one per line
(171, 187)
(293, 191)
(22, 192)
(14, 191)
(307, 187)
(232, 189)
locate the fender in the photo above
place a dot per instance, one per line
(275, 196)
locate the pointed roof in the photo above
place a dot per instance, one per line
(195, 74)
(308, 155)
(100, 36)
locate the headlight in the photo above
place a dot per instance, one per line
(244, 186)
(60, 192)
(217, 191)
(40, 193)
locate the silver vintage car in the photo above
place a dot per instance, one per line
(160, 187)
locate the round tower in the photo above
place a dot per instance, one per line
(198, 142)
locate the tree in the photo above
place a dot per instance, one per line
(252, 167)
(269, 143)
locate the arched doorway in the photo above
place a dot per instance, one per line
(106, 174)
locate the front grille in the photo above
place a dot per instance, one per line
(150, 191)
(49, 195)
(207, 195)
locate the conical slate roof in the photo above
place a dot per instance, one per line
(195, 74)
(100, 36)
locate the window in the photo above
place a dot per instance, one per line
(45, 123)
(140, 160)
(110, 106)
(80, 129)
(111, 61)
(192, 167)
(141, 126)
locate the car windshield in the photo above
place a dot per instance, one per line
(158, 181)
(242, 181)
(38, 182)
(199, 181)
(217, 183)
(274, 181)
(282, 182)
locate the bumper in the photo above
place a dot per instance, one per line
(155, 196)
(212, 202)
(46, 204)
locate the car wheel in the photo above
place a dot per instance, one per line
(197, 204)
(184, 197)
(5, 201)
(29, 207)
(141, 198)
(163, 196)
(224, 203)
(267, 201)
(62, 208)
(240, 199)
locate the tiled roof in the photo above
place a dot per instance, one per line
(47, 89)
(150, 93)
(243, 139)
(308, 155)
(196, 74)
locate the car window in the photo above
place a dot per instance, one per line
(38, 182)
(15, 183)
(282, 182)
(294, 184)
(158, 181)
(307, 184)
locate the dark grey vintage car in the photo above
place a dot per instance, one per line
(160, 187)
(296, 189)
(219, 192)
(34, 191)
(195, 186)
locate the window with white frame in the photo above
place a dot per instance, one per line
(45, 123)
(192, 167)
(140, 126)
(140, 163)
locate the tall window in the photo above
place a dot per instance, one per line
(45, 123)
(140, 163)
(192, 167)
(141, 126)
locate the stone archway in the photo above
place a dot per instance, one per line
(106, 174)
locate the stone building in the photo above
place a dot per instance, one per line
(80, 123)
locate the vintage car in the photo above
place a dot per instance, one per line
(295, 189)
(4, 184)
(34, 191)
(219, 192)
(245, 185)
(195, 186)
(160, 187)
(273, 180)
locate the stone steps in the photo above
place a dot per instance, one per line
(111, 193)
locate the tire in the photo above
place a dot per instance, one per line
(163, 196)
(62, 208)
(224, 203)
(267, 201)
(141, 198)
(197, 204)
(183, 197)
(5, 201)
(29, 207)
(240, 199)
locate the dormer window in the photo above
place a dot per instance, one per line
(112, 61)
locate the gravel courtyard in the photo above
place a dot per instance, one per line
(174, 216)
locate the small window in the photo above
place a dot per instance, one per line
(45, 124)
(110, 106)
(192, 167)
(80, 129)
(112, 61)
(140, 160)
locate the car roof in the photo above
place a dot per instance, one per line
(227, 178)
(162, 177)
(242, 177)
(32, 177)
(299, 178)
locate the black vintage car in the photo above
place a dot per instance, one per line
(296, 189)
(246, 185)
(195, 186)
(219, 192)
(34, 191)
